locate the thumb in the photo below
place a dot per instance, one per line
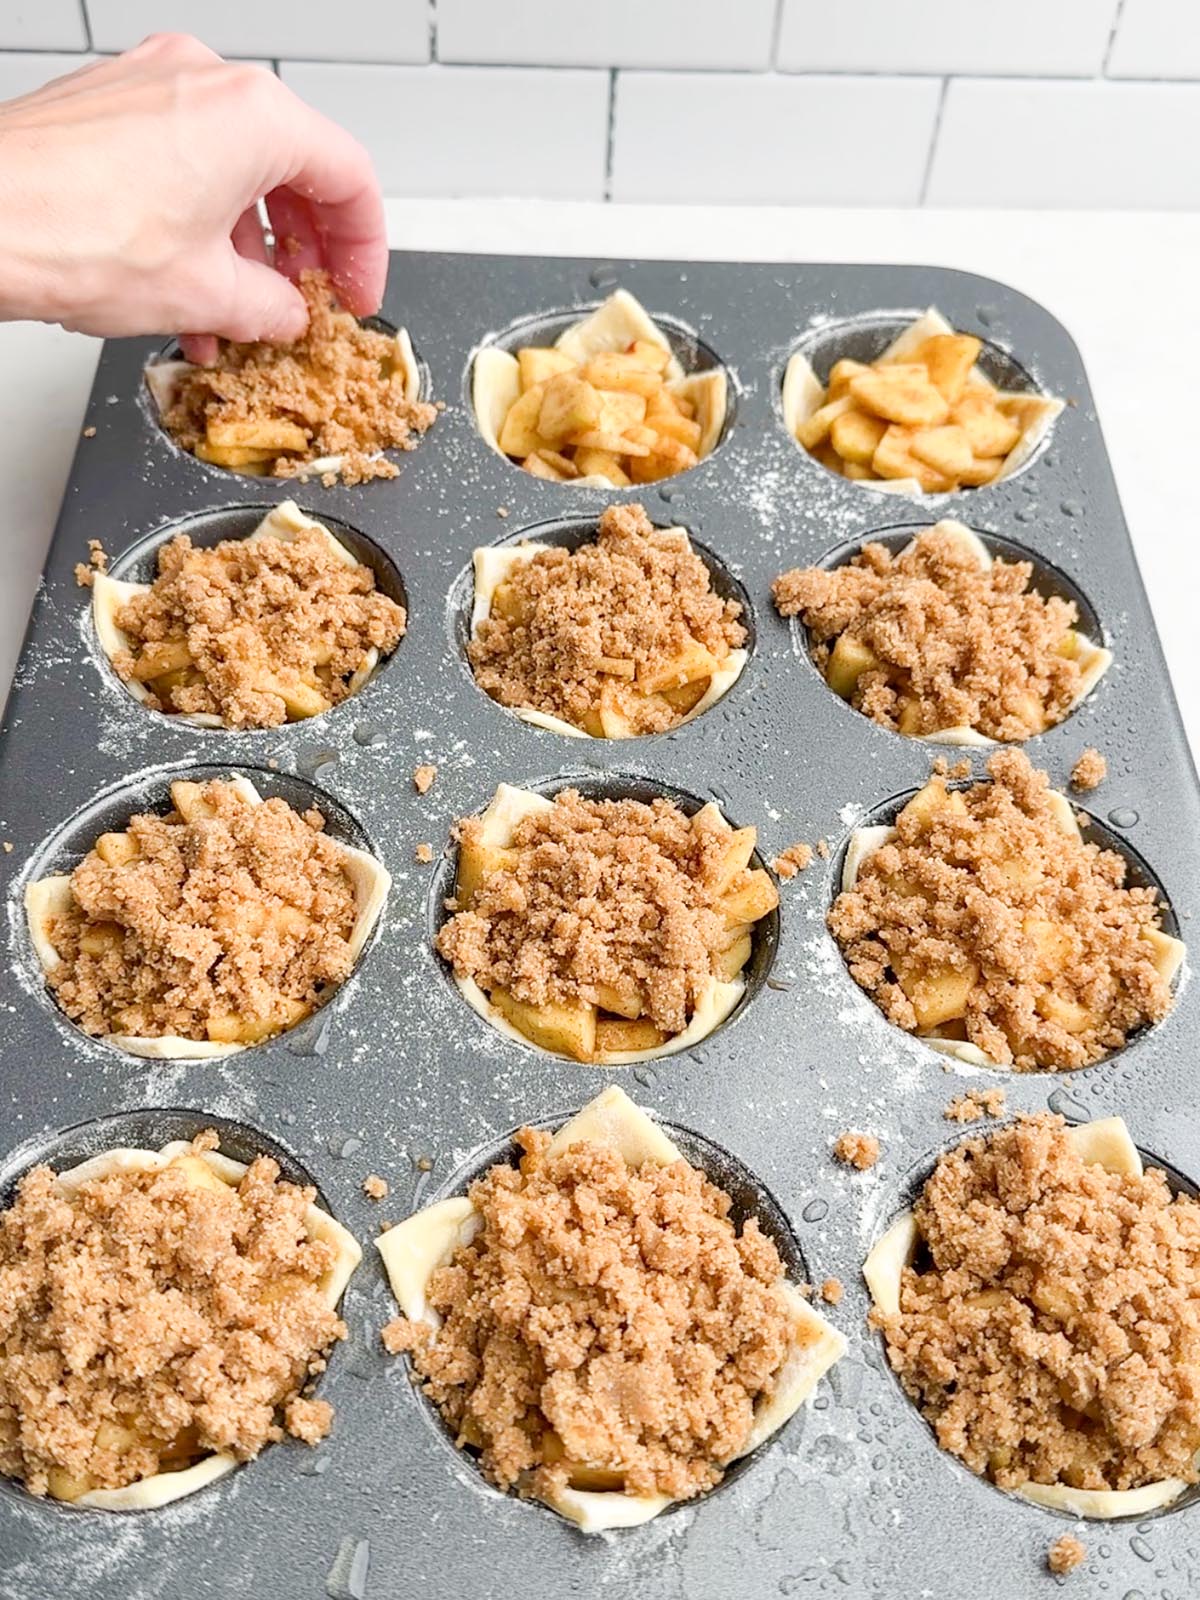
(258, 303)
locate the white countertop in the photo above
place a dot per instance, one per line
(1123, 283)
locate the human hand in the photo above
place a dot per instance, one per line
(128, 195)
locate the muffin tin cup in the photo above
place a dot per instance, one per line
(401, 1079)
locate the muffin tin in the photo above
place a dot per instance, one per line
(397, 1076)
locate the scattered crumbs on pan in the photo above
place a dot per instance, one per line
(502, 512)
(89, 432)
(957, 773)
(1090, 771)
(375, 1187)
(832, 1291)
(97, 561)
(424, 853)
(795, 859)
(1065, 1554)
(423, 777)
(424, 1164)
(975, 1106)
(823, 849)
(8, 847)
(859, 1150)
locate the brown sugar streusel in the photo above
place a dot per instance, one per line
(197, 1337)
(257, 632)
(1090, 771)
(616, 904)
(621, 634)
(1049, 1327)
(229, 925)
(334, 392)
(976, 1105)
(854, 1149)
(604, 1316)
(1065, 1554)
(795, 859)
(925, 640)
(984, 920)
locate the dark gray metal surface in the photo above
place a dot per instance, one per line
(853, 1499)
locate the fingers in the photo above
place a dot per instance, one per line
(255, 302)
(333, 174)
(298, 245)
(199, 348)
(248, 238)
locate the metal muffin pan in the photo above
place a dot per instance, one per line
(398, 1076)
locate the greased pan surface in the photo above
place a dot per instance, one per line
(853, 1499)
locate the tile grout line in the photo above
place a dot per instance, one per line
(610, 132)
(933, 142)
(1112, 37)
(776, 31)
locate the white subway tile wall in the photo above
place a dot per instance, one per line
(1054, 103)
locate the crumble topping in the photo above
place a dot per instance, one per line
(196, 1337)
(228, 926)
(606, 1324)
(256, 632)
(1090, 771)
(596, 896)
(1050, 1330)
(976, 1105)
(795, 859)
(97, 561)
(982, 915)
(576, 630)
(335, 392)
(924, 640)
(1065, 1554)
(423, 777)
(859, 1150)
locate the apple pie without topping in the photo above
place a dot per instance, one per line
(1041, 1305)
(616, 638)
(922, 418)
(607, 404)
(327, 406)
(943, 643)
(127, 1388)
(603, 930)
(593, 1326)
(984, 924)
(249, 633)
(207, 929)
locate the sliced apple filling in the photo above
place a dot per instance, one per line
(188, 1371)
(326, 406)
(250, 633)
(1058, 1358)
(207, 929)
(922, 418)
(983, 923)
(613, 639)
(603, 930)
(587, 1287)
(941, 642)
(608, 404)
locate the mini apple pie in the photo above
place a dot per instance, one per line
(942, 643)
(249, 633)
(593, 1326)
(984, 924)
(325, 407)
(920, 419)
(129, 1385)
(603, 930)
(607, 404)
(616, 638)
(211, 928)
(1041, 1305)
